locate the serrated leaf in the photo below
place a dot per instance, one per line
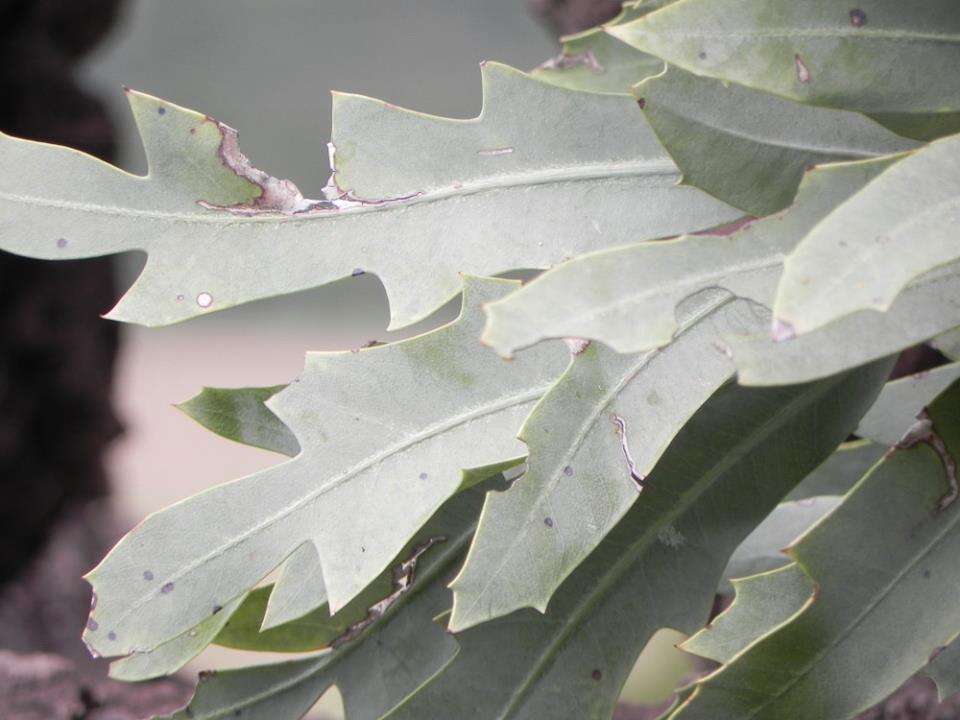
(948, 343)
(409, 191)
(734, 142)
(241, 415)
(887, 550)
(595, 61)
(399, 420)
(627, 297)
(763, 548)
(592, 440)
(658, 568)
(763, 603)
(867, 250)
(839, 472)
(874, 56)
(901, 401)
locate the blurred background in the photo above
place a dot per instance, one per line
(89, 439)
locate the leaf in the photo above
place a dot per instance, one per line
(627, 297)
(595, 61)
(659, 567)
(839, 472)
(389, 422)
(399, 643)
(874, 56)
(763, 603)
(948, 343)
(763, 549)
(240, 414)
(734, 142)
(410, 191)
(887, 550)
(901, 401)
(171, 656)
(903, 222)
(944, 669)
(593, 440)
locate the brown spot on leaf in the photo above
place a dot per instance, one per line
(596, 675)
(858, 18)
(167, 588)
(803, 72)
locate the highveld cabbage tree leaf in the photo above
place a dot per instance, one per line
(887, 550)
(409, 191)
(901, 401)
(395, 421)
(592, 441)
(875, 55)
(948, 343)
(595, 61)
(763, 603)
(397, 642)
(627, 297)
(865, 252)
(734, 142)
(658, 568)
(839, 472)
(241, 414)
(763, 548)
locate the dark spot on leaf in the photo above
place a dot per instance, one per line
(936, 651)
(188, 712)
(926, 573)
(205, 675)
(858, 18)
(162, 111)
(217, 608)
(92, 625)
(423, 476)
(596, 675)
(111, 636)
(356, 272)
(147, 575)
(362, 549)
(167, 588)
(702, 55)
(193, 131)
(568, 471)
(548, 521)
(642, 103)
(62, 243)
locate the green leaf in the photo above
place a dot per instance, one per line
(735, 143)
(240, 414)
(763, 548)
(865, 252)
(410, 191)
(887, 550)
(398, 643)
(901, 401)
(875, 55)
(595, 61)
(389, 422)
(944, 669)
(948, 343)
(661, 564)
(839, 472)
(593, 440)
(627, 297)
(763, 603)
(171, 656)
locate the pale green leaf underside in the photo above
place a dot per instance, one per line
(865, 252)
(750, 148)
(884, 552)
(592, 438)
(948, 343)
(659, 567)
(763, 549)
(877, 56)
(399, 420)
(839, 472)
(627, 297)
(763, 603)
(480, 196)
(944, 670)
(902, 400)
